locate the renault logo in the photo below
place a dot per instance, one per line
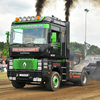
(24, 65)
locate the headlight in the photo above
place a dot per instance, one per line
(11, 63)
(39, 68)
(39, 64)
(10, 67)
(39, 61)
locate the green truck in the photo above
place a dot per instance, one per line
(39, 53)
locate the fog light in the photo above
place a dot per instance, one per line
(13, 78)
(10, 78)
(39, 79)
(34, 79)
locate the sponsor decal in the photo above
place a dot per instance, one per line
(28, 26)
(78, 54)
(75, 75)
(56, 64)
(25, 49)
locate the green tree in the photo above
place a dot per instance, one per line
(1, 46)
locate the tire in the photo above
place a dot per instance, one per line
(54, 81)
(84, 78)
(18, 84)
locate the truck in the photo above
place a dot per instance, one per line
(39, 53)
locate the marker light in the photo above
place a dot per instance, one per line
(24, 18)
(20, 19)
(32, 18)
(38, 17)
(17, 19)
(28, 18)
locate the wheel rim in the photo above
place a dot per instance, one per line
(84, 79)
(55, 81)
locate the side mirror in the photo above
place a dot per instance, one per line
(54, 37)
(7, 33)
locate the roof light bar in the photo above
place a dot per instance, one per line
(28, 19)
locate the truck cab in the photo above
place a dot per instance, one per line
(38, 51)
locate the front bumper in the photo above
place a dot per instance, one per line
(27, 75)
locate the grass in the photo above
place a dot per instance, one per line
(3, 76)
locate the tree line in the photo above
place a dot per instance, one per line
(74, 46)
(78, 47)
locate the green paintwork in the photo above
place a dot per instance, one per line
(61, 45)
(54, 37)
(7, 38)
(29, 45)
(56, 81)
(29, 26)
(15, 45)
(7, 32)
(30, 21)
(31, 64)
(61, 60)
(55, 45)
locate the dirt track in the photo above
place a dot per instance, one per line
(66, 92)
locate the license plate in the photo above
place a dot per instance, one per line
(23, 75)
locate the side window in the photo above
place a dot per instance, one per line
(57, 30)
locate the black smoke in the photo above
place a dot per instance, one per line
(39, 6)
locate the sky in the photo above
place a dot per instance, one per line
(10, 9)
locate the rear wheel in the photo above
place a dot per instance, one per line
(18, 84)
(54, 81)
(84, 78)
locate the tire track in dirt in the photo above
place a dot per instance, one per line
(66, 92)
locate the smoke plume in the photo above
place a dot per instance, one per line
(68, 5)
(39, 6)
(96, 3)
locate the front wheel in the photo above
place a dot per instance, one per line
(54, 81)
(18, 84)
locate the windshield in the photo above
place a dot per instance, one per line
(29, 36)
